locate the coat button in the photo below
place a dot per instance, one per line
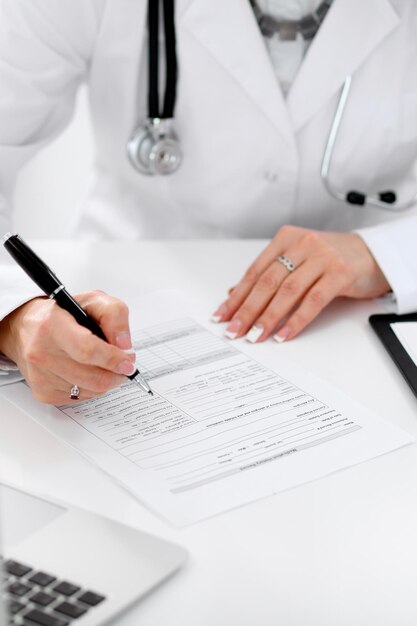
(270, 176)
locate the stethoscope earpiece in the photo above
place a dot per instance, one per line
(382, 200)
(389, 197)
(358, 198)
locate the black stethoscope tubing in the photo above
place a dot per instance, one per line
(170, 58)
(153, 147)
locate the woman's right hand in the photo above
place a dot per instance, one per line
(54, 353)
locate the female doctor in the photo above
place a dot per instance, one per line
(296, 121)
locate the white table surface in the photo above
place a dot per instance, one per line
(341, 551)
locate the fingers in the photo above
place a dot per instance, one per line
(290, 289)
(92, 380)
(272, 294)
(56, 336)
(84, 348)
(54, 390)
(312, 302)
(54, 352)
(51, 377)
(238, 294)
(276, 278)
(112, 315)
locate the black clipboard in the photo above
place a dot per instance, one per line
(381, 323)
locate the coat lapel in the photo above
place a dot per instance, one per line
(229, 32)
(351, 31)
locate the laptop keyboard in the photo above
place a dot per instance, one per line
(35, 598)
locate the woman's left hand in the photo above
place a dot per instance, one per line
(326, 265)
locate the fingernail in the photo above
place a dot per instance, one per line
(254, 333)
(233, 329)
(124, 342)
(126, 368)
(130, 351)
(282, 334)
(219, 314)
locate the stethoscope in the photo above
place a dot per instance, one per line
(384, 199)
(154, 148)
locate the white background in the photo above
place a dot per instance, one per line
(51, 185)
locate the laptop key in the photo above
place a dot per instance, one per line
(91, 598)
(15, 606)
(17, 569)
(42, 598)
(70, 609)
(42, 579)
(18, 589)
(66, 589)
(45, 619)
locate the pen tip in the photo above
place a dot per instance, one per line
(150, 392)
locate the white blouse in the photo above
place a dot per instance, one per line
(287, 56)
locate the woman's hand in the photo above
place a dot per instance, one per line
(326, 265)
(53, 352)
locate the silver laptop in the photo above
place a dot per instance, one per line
(64, 565)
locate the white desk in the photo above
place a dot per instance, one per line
(341, 551)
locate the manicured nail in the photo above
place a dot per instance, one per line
(126, 368)
(219, 314)
(124, 342)
(233, 329)
(282, 334)
(254, 333)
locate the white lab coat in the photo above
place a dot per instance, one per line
(251, 158)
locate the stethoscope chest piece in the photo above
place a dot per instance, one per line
(153, 148)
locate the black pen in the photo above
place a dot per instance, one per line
(46, 280)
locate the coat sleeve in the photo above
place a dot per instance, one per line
(46, 47)
(394, 247)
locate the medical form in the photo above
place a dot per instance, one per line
(223, 428)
